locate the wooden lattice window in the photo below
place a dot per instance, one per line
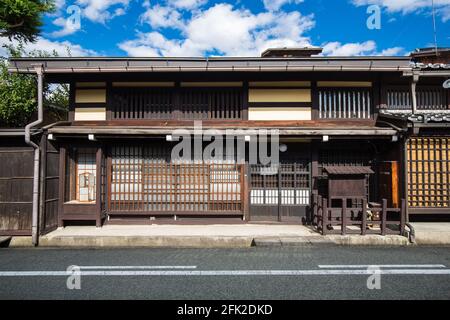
(345, 103)
(173, 103)
(142, 103)
(144, 179)
(429, 172)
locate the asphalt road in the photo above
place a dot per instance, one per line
(315, 272)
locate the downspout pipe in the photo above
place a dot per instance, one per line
(414, 81)
(35, 211)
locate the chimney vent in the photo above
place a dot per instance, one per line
(291, 52)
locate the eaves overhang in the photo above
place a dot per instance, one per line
(149, 131)
(137, 65)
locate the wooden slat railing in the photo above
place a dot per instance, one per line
(355, 220)
(428, 98)
(345, 103)
(169, 103)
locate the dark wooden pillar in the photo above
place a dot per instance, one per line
(72, 100)
(98, 186)
(109, 100)
(246, 191)
(245, 101)
(43, 182)
(176, 113)
(315, 101)
(62, 179)
(108, 179)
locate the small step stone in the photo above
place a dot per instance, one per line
(267, 242)
(295, 241)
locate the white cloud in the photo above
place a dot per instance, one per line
(395, 51)
(60, 4)
(95, 10)
(226, 31)
(186, 4)
(368, 48)
(409, 6)
(99, 10)
(67, 27)
(60, 47)
(444, 13)
(274, 5)
(155, 44)
(162, 17)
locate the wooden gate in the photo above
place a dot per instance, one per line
(280, 193)
(143, 181)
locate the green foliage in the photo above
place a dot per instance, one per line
(17, 97)
(18, 93)
(22, 19)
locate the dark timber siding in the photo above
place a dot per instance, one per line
(16, 186)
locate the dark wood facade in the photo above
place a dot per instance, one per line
(345, 125)
(16, 185)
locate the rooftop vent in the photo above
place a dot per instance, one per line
(291, 52)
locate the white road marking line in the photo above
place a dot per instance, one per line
(135, 267)
(358, 266)
(226, 273)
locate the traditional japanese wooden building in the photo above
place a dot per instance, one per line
(332, 114)
(423, 109)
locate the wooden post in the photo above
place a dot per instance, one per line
(72, 88)
(43, 184)
(98, 187)
(62, 179)
(319, 208)
(344, 216)
(315, 101)
(402, 217)
(364, 217)
(279, 193)
(109, 99)
(245, 89)
(324, 216)
(246, 191)
(108, 174)
(314, 208)
(383, 217)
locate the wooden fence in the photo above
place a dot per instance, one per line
(360, 219)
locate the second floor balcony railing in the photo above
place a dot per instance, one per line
(428, 98)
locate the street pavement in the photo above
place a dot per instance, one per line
(307, 272)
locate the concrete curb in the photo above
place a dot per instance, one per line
(369, 240)
(133, 241)
(430, 239)
(227, 241)
(290, 241)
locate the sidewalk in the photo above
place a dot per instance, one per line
(204, 236)
(432, 233)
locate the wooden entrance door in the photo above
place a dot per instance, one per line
(280, 193)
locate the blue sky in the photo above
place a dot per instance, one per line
(240, 28)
